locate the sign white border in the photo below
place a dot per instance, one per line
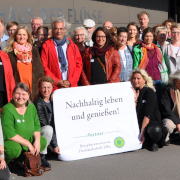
(95, 120)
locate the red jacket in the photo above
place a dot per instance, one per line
(113, 67)
(51, 63)
(8, 74)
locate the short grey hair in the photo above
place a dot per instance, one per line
(161, 28)
(37, 18)
(175, 25)
(67, 25)
(173, 77)
(85, 33)
(143, 13)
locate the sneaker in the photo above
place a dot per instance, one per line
(45, 165)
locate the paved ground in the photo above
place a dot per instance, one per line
(137, 165)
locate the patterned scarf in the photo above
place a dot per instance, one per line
(145, 59)
(61, 55)
(23, 53)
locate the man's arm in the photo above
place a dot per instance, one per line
(74, 77)
(45, 60)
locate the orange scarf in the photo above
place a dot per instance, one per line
(145, 60)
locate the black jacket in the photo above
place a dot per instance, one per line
(147, 106)
(167, 105)
(43, 113)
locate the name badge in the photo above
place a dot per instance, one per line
(92, 60)
(1, 63)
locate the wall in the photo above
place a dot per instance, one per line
(119, 12)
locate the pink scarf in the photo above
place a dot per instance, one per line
(23, 53)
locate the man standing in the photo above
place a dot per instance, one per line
(89, 24)
(143, 18)
(42, 35)
(61, 58)
(11, 27)
(2, 35)
(108, 25)
(35, 23)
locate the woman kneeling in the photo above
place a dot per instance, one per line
(21, 126)
(44, 108)
(149, 118)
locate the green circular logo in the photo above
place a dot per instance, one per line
(119, 142)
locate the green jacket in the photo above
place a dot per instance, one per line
(137, 56)
(162, 67)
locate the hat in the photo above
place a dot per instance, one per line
(89, 23)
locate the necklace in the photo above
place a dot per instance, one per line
(23, 118)
(21, 112)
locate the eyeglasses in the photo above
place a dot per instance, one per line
(175, 33)
(36, 24)
(102, 37)
(61, 29)
(79, 35)
(162, 34)
(11, 30)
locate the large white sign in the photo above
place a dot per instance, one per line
(95, 120)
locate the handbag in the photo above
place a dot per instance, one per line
(32, 165)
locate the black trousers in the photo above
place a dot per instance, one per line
(5, 174)
(154, 133)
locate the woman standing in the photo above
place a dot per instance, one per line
(125, 53)
(7, 82)
(79, 37)
(25, 59)
(161, 34)
(149, 117)
(113, 34)
(149, 57)
(21, 126)
(133, 35)
(168, 23)
(101, 63)
(171, 51)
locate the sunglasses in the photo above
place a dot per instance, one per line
(113, 34)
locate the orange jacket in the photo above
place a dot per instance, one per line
(113, 66)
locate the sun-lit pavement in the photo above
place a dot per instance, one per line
(137, 165)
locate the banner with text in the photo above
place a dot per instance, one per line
(95, 120)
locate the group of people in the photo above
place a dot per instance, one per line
(33, 65)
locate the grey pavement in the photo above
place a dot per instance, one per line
(138, 165)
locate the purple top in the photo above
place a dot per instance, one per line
(152, 67)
